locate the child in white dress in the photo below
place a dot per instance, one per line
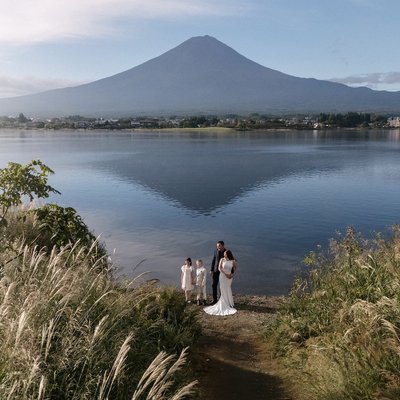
(187, 281)
(200, 281)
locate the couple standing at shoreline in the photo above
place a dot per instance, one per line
(223, 268)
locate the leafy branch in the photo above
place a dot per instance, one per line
(18, 181)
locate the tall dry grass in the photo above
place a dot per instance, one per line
(69, 331)
(339, 331)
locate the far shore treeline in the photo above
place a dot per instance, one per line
(231, 121)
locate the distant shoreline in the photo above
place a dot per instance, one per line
(199, 129)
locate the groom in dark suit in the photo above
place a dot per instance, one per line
(218, 254)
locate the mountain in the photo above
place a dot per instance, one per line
(201, 75)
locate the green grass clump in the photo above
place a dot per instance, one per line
(70, 331)
(340, 326)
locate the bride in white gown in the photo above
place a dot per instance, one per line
(227, 267)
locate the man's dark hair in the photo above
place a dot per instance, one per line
(221, 242)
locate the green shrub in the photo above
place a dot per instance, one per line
(18, 181)
(61, 226)
(340, 325)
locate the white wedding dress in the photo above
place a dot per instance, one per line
(224, 306)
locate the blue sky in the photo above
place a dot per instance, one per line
(46, 44)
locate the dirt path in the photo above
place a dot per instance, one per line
(231, 359)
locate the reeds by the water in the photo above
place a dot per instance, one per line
(69, 331)
(340, 326)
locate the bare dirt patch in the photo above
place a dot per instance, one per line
(231, 358)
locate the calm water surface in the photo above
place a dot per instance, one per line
(159, 197)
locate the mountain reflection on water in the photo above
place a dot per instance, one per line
(204, 175)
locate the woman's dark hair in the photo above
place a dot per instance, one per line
(229, 255)
(189, 260)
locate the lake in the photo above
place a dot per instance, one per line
(159, 197)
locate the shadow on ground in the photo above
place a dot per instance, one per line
(235, 383)
(228, 368)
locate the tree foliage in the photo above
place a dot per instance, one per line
(18, 181)
(351, 119)
(60, 226)
(21, 118)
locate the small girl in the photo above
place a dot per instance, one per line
(201, 275)
(187, 278)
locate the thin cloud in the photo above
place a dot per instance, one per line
(27, 21)
(375, 80)
(12, 86)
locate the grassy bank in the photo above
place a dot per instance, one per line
(338, 332)
(70, 331)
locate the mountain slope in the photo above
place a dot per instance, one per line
(201, 75)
